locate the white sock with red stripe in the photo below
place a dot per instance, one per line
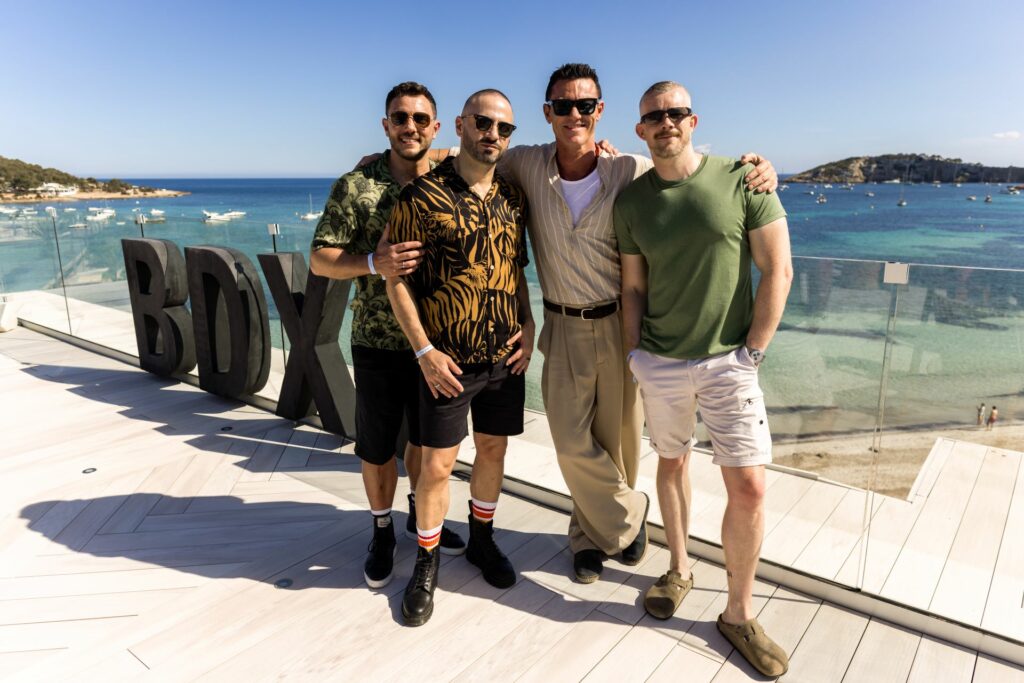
(482, 510)
(429, 538)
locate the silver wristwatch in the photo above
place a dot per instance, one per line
(756, 355)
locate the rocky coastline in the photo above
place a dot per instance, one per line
(907, 168)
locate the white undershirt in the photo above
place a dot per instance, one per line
(579, 193)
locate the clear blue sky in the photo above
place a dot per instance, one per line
(196, 89)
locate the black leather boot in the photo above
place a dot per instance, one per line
(484, 553)
(418, 601)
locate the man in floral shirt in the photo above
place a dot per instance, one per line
(351, 241)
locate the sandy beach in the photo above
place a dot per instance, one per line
(849, 459)
(91, 196)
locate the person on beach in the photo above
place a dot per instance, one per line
(466, 312)
(351, 241)
(591, 403)
(993, 415)
(981, 414)
(687, 232)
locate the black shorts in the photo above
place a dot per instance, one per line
(386, 391)
(495, 396)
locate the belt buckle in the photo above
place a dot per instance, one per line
(583, 312)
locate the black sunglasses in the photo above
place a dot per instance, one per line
(400, 118)
(675, 115)
(484, 124)
(585, 107)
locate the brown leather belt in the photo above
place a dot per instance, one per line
(591, 313)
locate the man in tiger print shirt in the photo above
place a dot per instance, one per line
(466, 313)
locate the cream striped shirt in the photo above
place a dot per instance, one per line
(578, 264)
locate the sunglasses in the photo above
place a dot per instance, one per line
(484, 124)
(675, 115)
(585, 107)
(400, 118)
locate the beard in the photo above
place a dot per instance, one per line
(484, 156)
(669, 147)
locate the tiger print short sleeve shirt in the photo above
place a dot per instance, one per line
(466, 284)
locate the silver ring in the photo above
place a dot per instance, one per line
(437, 385)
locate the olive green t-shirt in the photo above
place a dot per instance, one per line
(693, 234)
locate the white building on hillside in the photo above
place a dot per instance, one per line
(56, 190)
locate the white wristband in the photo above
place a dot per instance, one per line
(369, 262)
(424, 351)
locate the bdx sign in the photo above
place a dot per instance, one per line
(228, 331)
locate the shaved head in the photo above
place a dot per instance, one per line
(472, 99)
(662, 87)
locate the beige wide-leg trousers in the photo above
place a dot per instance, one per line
(596, 422)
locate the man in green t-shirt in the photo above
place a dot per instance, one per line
(688, 231)
(351, 242)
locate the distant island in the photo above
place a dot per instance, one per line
(907, 168)
(24, 182)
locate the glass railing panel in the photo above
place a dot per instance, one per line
(956, 342)
(94, 271)
(30, 265)
(820, 382)
(822, 374)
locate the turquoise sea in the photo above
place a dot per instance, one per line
(938, 225)
(960, 332)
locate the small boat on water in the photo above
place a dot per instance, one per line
(156, 212)
(869, 194)
(902, 202)
(988, 199)
(97, 215)
(311, 216)
(79, 226)
(70, 210)
(822, 199)
(972, 198)
(221, 217)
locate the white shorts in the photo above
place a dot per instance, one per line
(725, 390)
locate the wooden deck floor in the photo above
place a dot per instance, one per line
(163, 562)
(955, 548)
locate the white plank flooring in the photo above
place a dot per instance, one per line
(164, 559)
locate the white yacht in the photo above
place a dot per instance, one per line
(101, 215)
(156, 212)
(311, 216)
